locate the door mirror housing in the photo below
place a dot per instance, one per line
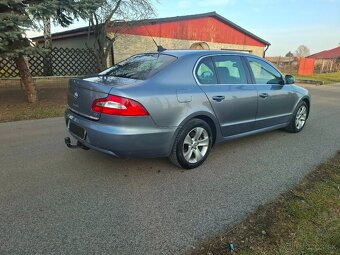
(289, 79)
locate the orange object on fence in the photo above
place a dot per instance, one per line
(306, 66)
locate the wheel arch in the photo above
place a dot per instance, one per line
(211, 124)
(307, 101)
(209, 118)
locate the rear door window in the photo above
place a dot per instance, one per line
(263, 72)
(230, 70)
(140, 67)
(205, 72)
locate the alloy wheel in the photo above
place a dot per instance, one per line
(301, 117)
(195, 145)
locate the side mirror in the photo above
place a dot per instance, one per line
(289, 79)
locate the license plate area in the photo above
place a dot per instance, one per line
(77, 130)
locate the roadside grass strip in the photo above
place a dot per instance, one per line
(304, 220)
(323, 78)
(52, 103)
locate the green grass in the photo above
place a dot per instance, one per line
(34, 111)
(14, 105)
(325, 78)
(305, 220)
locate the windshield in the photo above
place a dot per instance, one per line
(140, 67)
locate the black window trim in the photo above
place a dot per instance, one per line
(253, 80)
(199, 61)
(244, 65)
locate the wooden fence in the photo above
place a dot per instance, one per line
(293, 65)
(63, 62)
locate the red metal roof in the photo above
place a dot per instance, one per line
(332, 53)
(200, 28)
(209, 26)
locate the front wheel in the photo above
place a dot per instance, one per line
(299, 119)
(192, 144)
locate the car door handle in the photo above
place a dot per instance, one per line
(264, 95)
(218, 98)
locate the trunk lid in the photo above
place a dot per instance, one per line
(82, 92)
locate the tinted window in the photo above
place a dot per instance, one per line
(229, 70)
(263, 72)
(205, 72)
(140, 67)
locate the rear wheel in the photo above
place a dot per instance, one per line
(192, 144)
(299, 119)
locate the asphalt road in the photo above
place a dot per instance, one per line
(54, 200)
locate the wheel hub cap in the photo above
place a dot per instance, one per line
(195, 145)
(301, 117)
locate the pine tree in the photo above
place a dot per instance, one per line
(289, 54)
(14, 21)
(17, 16)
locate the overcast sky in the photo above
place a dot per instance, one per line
(286, 24)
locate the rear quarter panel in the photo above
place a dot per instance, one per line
(172, 96)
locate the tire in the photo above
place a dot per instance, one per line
(299, 118)
(192, 144)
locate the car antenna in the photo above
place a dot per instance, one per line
(160, 48)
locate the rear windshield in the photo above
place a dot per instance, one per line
(140, 67)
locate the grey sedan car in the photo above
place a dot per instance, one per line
(179, 103)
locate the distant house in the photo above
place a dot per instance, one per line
(327, 54)
(327, 60)
(200, 31)
(285, 64)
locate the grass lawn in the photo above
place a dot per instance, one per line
(14, 106)
(305, 220)
(326, 78)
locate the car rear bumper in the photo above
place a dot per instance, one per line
(136, 138)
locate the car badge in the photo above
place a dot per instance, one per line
(75, 95)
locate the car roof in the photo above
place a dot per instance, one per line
(201, 53)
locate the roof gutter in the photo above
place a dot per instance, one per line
(264, 53)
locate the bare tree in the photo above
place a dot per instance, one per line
(302, 51)
(60, 12)
(126, 11)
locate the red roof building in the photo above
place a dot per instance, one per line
(199, 31)
(327, 54)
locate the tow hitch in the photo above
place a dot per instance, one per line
(75, 146)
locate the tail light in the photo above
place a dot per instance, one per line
(115, 105)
